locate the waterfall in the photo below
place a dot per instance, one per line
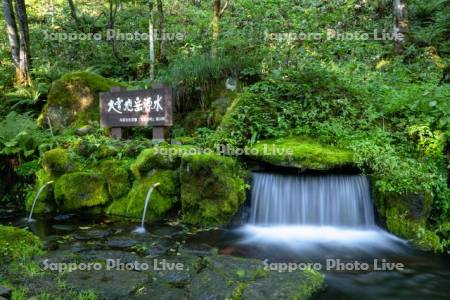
(319, 200)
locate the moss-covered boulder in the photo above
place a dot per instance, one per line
(166, 157)
(116, 177)
(406, 215)
(73, 100)
(79, 190)
(300, 152)
(57, 162)
(212, 188)
(16, 243)
(163, 198)
(45, 204)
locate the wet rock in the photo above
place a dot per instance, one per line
(288, 285)
(109, 284)
(211, 285)
(121, 243)
(5, 292)
(92, 234)
(161, 291)
(63, 227)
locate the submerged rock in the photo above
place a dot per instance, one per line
(109, 284)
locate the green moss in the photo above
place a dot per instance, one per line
(162, 200)
(45, 203)
(57, 162)
(80, 189)
(300, 152)
(16, 243)
(398, 223)
(160, 157)
(406, 215)
(212, 189)
(116, 177)
(73, 99)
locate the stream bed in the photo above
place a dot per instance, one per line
(424, 276)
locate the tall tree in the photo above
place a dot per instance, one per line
(401, 25)
(218, 11)
(73, 11)
(19, 39)
(161, 55)
(151, 41)
(113, 7)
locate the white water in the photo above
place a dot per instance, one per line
(141, 229)
(30, 216)
(314, 212)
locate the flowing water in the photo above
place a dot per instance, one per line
(307, 220)
(141, 229)
(327, 223)
(30, 216)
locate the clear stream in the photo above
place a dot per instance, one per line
(280, 231)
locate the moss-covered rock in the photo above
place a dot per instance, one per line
(406, 215)
(45, 203)
(300, 152)
(80, 189)
(116, 177)
(162, 200)
(212, 188)
(160, 157)
(16, 243)
(57, 162)
(73, 100)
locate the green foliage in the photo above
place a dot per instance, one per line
(19, 135)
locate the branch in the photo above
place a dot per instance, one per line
(222, 11)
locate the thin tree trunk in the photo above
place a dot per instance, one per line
(218, 11)
(151, 41)
(111, 25)
(24, 44)
(162, 55)
(73, 12)
(401, 25)
(11, 29)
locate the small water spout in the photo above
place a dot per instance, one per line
(30, 217)
(141, 229)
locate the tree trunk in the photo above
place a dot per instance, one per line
(113, 6)
(447, 159)
(162, 55)
(401, 25)
(11, 29)
(151, 41)
(73, 12)
(218, 11)
(24, 42)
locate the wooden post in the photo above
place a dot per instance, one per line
(116, 132)
(158, 134)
